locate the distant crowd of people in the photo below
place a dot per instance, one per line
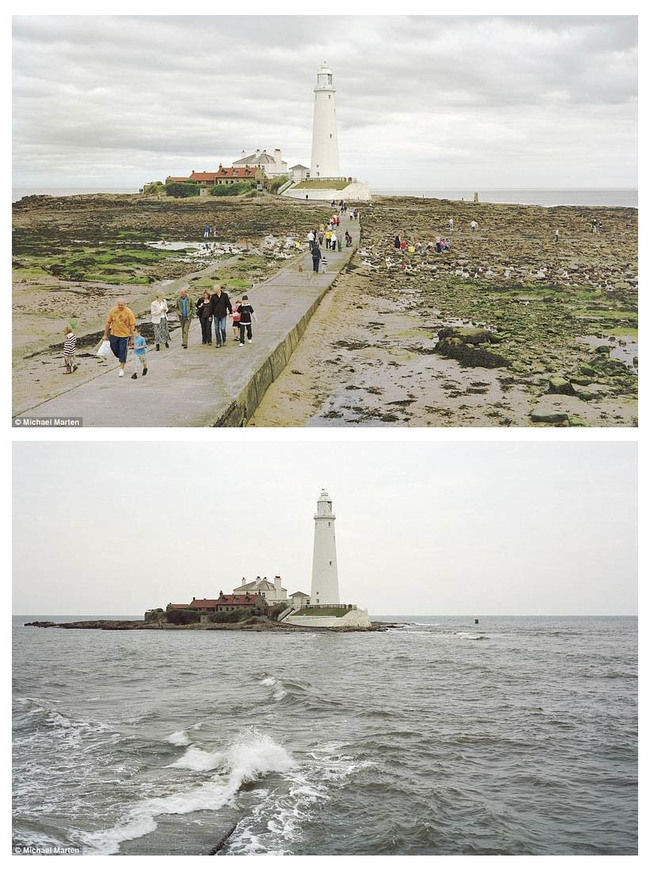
(330, 237)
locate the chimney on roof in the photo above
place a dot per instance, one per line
(278, 584)
(220, 165)
(257, 154)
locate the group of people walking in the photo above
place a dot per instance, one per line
(122, 334)
(213, 309)
(216, 308)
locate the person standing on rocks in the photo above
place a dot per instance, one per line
(310, 238)
(557, 235)
(315, 257)
(119, 331)
(451, 224)
(473, 226)
(159, 321)
(219, 308)
(205, 317)
(185, 310)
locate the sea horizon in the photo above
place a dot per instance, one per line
(605, 197)
(470, 616)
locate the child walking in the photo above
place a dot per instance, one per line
(140, 352)
(246, 316)
(236, 317)
(69, 348)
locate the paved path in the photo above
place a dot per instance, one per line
(203, 385)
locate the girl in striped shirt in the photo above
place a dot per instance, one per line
(69, 348)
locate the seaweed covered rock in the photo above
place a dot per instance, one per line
(469, 334)
(469, 346)
(558, 385)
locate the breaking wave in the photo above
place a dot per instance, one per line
(248, 759)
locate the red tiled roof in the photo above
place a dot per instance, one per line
(177, 178)
(238, 599)
(203, 604)
(179, 606)
(225, 172)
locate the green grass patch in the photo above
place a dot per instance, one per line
(337, 612)
(317, 184)
(626, 331)
(25, 274)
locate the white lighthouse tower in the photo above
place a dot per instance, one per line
(324, 143)
(324, 575)
(324, 609)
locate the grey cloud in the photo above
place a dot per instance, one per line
(205, 85)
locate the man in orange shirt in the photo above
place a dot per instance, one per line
(120, 323)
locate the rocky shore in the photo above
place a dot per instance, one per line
(254, 624)
(507, 328)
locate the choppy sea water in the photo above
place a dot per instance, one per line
(438, 736)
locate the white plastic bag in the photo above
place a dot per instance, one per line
(104, 350)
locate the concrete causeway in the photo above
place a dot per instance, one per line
(203, 385)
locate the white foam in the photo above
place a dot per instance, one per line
(284, 815)
(197, 759)
(179, 738)
(251, 756)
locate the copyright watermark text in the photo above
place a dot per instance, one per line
(45, 849)
(48, 422)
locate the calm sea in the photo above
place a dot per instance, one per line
(18, 192)
(628, 198)
(437, 736)
(609, 197)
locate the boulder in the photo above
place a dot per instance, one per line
(587, 392)
(558, 385)
(469, 334)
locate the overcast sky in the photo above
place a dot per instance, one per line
(422, 528)
(423, 102)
